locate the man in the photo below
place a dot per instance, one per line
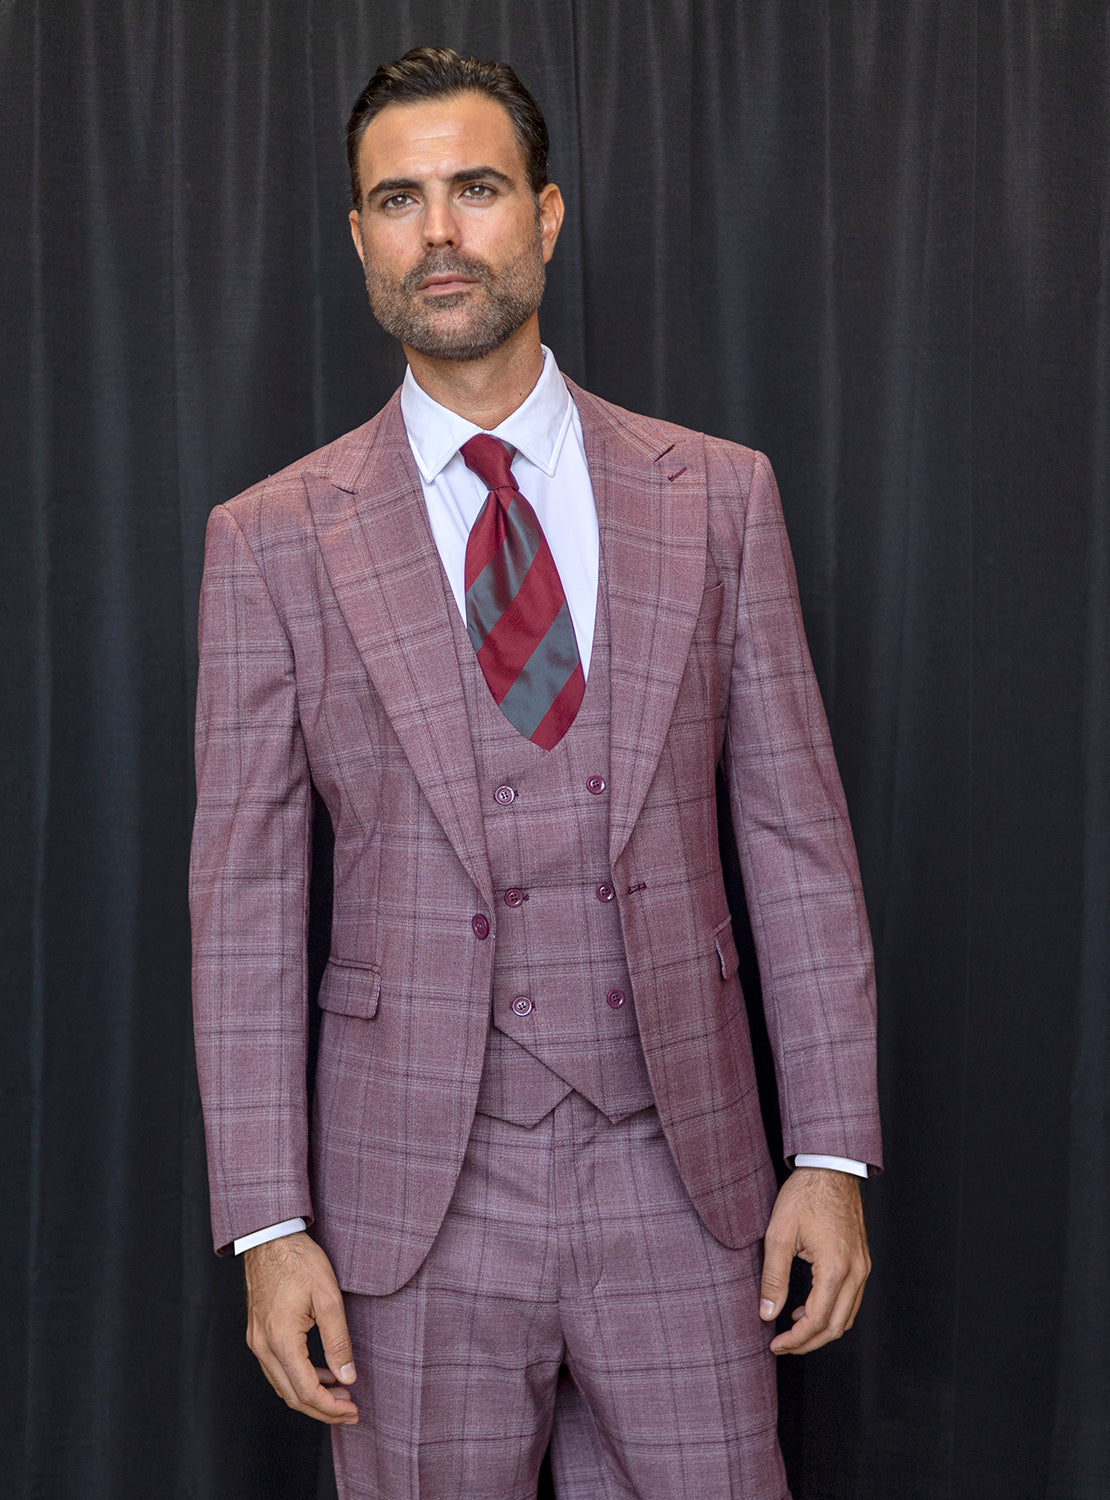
(507, 632)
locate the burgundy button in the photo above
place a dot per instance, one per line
(480, 923)
(522, 1006)
(504, 795)
(615, 998)
(605, 893)
(596, 784)
(515, 898)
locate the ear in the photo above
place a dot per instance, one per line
(354, 218)
(552, 210)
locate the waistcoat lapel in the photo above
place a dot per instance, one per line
(652, 517)
(377, 545)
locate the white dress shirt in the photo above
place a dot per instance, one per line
(549, 465)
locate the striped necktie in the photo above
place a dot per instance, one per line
(516, 612)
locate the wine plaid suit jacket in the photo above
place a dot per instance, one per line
(327, 661)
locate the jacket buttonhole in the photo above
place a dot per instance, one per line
(641, 885)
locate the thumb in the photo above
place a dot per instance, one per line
(332, 1323)
(775, 1281)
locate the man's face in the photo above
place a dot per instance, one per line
(452, 240)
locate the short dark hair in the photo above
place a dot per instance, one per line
(437, 73)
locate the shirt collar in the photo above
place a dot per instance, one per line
(537, 428)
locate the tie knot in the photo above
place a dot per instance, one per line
(489, 458)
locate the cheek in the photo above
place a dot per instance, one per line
(390, 250)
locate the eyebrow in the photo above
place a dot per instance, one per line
(469, 174)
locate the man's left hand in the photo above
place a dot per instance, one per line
(818, 1217)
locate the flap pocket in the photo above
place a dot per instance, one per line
(351, 988)
(725, 944)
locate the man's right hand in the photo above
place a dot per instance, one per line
(290, 1287)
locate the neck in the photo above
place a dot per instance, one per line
(484, 391)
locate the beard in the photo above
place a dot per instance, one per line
(502, 302)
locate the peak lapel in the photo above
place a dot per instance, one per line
(652, 509)
(372, 528)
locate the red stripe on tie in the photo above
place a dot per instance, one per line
(487, 535)
(560, 716)
(508, 648)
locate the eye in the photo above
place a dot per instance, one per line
(397, 200)
(477, 190)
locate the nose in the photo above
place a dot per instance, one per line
(440, 226)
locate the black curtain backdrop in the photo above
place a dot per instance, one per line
(872, 239)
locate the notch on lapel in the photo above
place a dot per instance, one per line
(652, 519)
(373, 531)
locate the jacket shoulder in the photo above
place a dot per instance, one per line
(281, 498)
(654, 436)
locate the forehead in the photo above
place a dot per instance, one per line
(436, 137)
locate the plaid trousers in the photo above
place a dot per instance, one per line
(572, 1295)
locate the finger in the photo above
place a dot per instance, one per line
(275, 1372)
(841, 1314)
(332, 1323)
(778, 1255)
(800, 1339)
(308, 1394)
(258, 1343)
(826, 1315)
(326, 1378)
(856, 1300)
(850, 1296)
(827, 1282)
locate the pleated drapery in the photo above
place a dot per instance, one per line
(872, 240)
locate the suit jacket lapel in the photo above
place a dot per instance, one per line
(377, 546)
(652, 509)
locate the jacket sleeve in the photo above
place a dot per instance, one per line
(801, 877)
(249, 897)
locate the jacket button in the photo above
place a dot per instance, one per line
(504, 795)
(596, 784)
(615, 998)
(480, 924)
(605, 893)
(522, 1006)
(515, 898)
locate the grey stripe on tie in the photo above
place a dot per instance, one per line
(499, 582)
(543, 676)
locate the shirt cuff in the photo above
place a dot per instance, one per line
(836, 1163)
(275, 1232)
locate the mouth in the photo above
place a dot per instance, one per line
(445, 285)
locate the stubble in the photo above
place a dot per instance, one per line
(492, 310)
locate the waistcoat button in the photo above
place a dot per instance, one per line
(504, 795)
(480, 924)
(615, 998)
(605, 893)
(515, 898)
(522, 1006)
(596, 784)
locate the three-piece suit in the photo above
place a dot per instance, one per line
(513, 926)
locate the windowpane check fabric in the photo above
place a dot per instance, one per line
(572, 1295)
(516, 612)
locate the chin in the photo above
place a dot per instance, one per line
(457, 351)
(459, 340)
